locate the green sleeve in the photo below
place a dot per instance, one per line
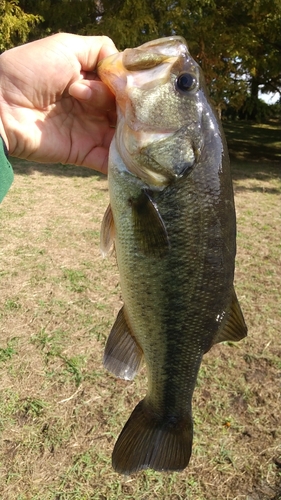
(6, 171)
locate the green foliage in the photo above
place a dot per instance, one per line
(6, 353)
(32, 406)
(133, 23)
(15, 24)
(77, 280)
(69, 16)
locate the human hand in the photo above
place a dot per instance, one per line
(53, 107)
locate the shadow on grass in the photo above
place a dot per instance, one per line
(255, 153)
(239, 189)
(260, 171)
(254, 142)
(24, 167)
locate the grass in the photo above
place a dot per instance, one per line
(60, 411)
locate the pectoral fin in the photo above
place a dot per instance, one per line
(122, 355)
(235, 327)
(107, 234)
(149, 228)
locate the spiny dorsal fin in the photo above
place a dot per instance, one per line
(149, 228)
(107, 233)
(149, 441)
(235, 327)
(122, 354)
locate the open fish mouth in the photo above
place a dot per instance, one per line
(128, 69)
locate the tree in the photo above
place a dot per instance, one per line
(61, 15)
(262, 57)
(15, 24)
(237, 43)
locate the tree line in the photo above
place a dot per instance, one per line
(236, 42)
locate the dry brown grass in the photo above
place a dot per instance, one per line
(60, 412)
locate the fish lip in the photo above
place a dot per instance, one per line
(116, 79)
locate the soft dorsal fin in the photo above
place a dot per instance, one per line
(149, 229)
(107, 233)
(122, 355)
(235, 327)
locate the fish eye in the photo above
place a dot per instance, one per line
(185, 82)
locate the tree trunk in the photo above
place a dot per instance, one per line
(254, 100)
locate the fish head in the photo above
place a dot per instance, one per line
(160, 97)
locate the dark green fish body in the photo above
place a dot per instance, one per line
(172, 219)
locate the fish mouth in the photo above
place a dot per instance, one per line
(127, 69)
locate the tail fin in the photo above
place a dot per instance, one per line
(149, 442)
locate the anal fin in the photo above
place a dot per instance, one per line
(235, 327)
(149, 441)
(122, 355)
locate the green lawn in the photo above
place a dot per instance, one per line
(61, 412)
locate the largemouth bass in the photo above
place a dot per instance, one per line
(171, 220)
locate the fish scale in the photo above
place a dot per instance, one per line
(172, 221)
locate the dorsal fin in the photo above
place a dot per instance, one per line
(122, 354)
